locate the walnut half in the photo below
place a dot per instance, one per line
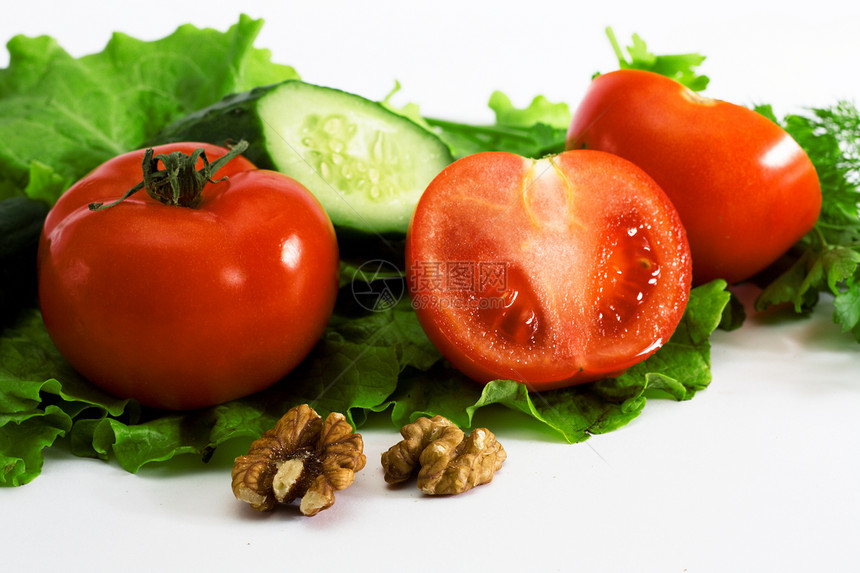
(450, 461)
(301, 457)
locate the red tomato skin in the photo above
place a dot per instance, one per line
(745, 190)
(185, 308)
(473, 212)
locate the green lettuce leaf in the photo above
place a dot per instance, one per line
(679, 67)
(678, 370)
(40, 396)
(410, 110)
(22, 439)
(372, 362)
(535, 140)
(61, 116)
(532, 131)
(540, 110)
(540, 128)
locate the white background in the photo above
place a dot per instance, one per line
(761, 472)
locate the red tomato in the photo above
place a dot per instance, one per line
(551, 272)
(746, 191)
(182, 307)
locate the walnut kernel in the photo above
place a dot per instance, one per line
(450, 462)
(301, 457)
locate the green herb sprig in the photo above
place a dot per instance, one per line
(827, 259)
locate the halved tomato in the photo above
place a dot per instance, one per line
(551, 272)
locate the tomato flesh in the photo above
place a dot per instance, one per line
(629, 273)
(550, 272)
(515, 315)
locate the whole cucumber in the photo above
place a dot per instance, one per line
(21, 221)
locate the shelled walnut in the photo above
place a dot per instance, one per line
(301, 457)
(449, 461)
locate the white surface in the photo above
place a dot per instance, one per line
(758, 473)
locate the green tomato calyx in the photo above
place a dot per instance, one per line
(178, 182)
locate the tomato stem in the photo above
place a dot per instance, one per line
(820, 235)
(179, 182)
(619, 53)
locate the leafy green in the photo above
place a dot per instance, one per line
(534, 131)
(410, 110)
(679, 369)
(529, 136)
(40, 396)
(465, 139)
(828, 258)
(61, 116)
(22, 438)
(540, 128)
(680, 67)
(540, 110)
(371, 362)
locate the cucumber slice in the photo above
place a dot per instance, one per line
(367, 165)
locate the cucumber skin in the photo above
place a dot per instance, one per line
(226, 122)
(21, 221)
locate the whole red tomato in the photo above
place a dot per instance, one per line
(746, 191)
(550, 272)
(185, 307)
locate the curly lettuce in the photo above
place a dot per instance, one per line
(61, 116)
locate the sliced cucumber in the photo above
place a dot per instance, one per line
(368, 166)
